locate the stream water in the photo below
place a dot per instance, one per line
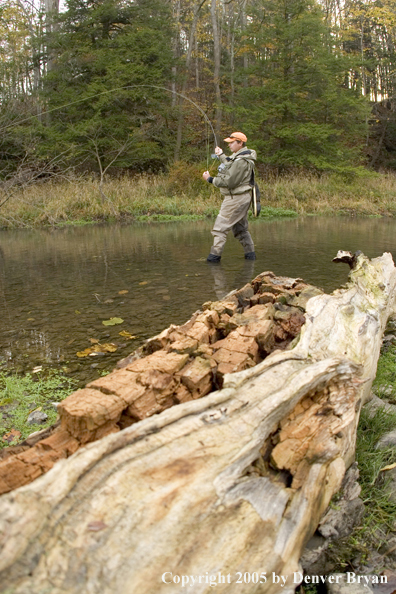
(58, 286)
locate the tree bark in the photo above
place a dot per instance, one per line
(197, 9)
(216, 71)
(233, 482)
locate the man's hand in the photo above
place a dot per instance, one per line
(205, 175)
(218, 150)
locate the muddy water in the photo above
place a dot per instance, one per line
(57, 287)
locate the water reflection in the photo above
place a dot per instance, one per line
(222, 286)
(57, 287)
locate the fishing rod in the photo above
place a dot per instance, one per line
(119, 89)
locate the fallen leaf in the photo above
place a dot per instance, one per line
(107, 347)
(96, 526)
(93, 340)
(13, 434)
(77, 312)
(143, 283)
(108, 301)
(84, 353)
(388, 467)
(96, 349)
(71, 341)
(37, 369)
(122, 292)
(166, 297)
(112, 321)
(126, 334)
(30, 319)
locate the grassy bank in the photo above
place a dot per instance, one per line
(182, 194)
(22, 395)
(375, 533)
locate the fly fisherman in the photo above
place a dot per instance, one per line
(233, 179)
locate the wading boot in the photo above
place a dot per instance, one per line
(250, 256)
(213, 259)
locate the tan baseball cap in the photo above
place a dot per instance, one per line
(236, 136)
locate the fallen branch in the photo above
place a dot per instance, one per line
(233, 482)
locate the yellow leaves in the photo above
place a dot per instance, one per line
(107, 347)
(85, 352)
(112, 321)
(124, 292)
(389, 467)
(143, 283)
(126, 334)
(13, 435)
(77, 312)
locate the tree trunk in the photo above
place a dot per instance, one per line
(194, 23)
(225, 485)
(51, 13)
(175, 49)
(216, 71)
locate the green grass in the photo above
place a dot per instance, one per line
(181, 194)
(163, 218)
(380, 512)
(379, 519)
(19, 396)
(384, 384)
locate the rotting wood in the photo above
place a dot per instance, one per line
(182, 363)
(235, 481)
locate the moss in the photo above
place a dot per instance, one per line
(21, 395)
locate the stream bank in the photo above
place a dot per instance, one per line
(181, 194)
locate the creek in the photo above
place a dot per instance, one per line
(58, 286)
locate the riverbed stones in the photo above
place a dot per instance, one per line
(180, 364)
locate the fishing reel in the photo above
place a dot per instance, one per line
(222, 166)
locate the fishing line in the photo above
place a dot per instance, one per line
(207, 120)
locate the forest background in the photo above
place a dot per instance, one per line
(92, 91)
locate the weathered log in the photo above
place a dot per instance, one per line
(233, 482)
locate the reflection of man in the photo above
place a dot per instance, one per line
(233, 180)
(222, 286)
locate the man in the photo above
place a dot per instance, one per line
(233, 181)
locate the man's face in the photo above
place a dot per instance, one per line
(235, 145)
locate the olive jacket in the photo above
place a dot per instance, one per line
(236, 175)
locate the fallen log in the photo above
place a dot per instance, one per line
(225, 487)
